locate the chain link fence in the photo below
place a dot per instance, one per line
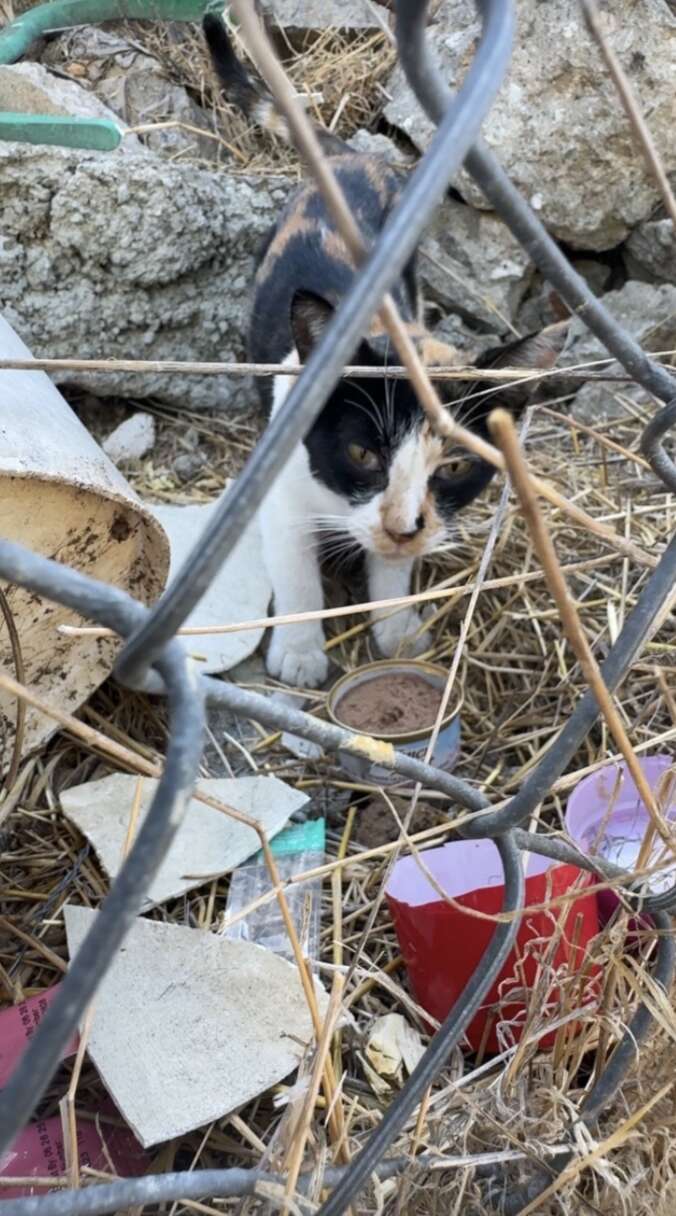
(152, 657)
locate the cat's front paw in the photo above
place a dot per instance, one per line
(400, 635)
(297, 661)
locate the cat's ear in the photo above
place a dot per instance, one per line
(310, 314)
(536, 352)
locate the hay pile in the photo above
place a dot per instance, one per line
(519, 683)
(341, 77)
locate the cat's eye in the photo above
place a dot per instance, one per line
(364, 457)
(454, 468)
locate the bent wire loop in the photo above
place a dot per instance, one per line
(150, 648)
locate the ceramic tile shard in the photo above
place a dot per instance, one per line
(208, 843)
(240, 591)
(189, 1026)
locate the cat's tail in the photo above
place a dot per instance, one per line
(250, 94)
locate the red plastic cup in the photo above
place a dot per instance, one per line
(18, 1024)
(38, 1152)
(605, 815)
(442, 945)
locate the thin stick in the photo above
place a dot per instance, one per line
(503, 429)
(212, 368)
(321, 1061)
(632, 108)
(322, 614)
(190, 367)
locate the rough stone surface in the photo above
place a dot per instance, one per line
(650, 252)
(557, 125)
(28, 88)
(596, 404)
(131, 257)
(647, 312)
(134, 86)
(318, 15)
(470, 264)
(370, 144)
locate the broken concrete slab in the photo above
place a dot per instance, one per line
(240, 592)
(317, 15)
(558, 107)
(189, 1026)
(471, 265)
(207, 843)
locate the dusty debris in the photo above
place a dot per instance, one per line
(132, 439)
(393, 1047)
(189, 1026)
(137, 88)
(208, 842)
(240, 592)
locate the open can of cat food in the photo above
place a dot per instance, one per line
(397, 701)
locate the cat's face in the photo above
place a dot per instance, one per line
(373, 447)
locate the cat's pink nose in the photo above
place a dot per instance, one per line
(400, 538)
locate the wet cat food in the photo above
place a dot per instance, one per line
(394, 703)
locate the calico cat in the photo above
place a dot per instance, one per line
(370, 474)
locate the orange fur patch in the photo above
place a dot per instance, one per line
(295, 225)
(438, 354)
(335, 248)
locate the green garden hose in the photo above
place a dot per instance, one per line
(100, 134)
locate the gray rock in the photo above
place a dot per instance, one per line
(597, 275)
(381, 146)
(135, 86)
(596, 404)
(648, 313)
(28, 88)
(470, 264)
(306, 15)
(188, 465)
(132, 439)
(453, 330)
(133, 257)
(543, 305)
(650, 252)
(557, 125)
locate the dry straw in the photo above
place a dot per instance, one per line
(519, 680)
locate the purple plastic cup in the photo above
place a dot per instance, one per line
(606, 816)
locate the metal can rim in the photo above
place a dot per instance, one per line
(383, 665)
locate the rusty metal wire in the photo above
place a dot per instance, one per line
(152, 653)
